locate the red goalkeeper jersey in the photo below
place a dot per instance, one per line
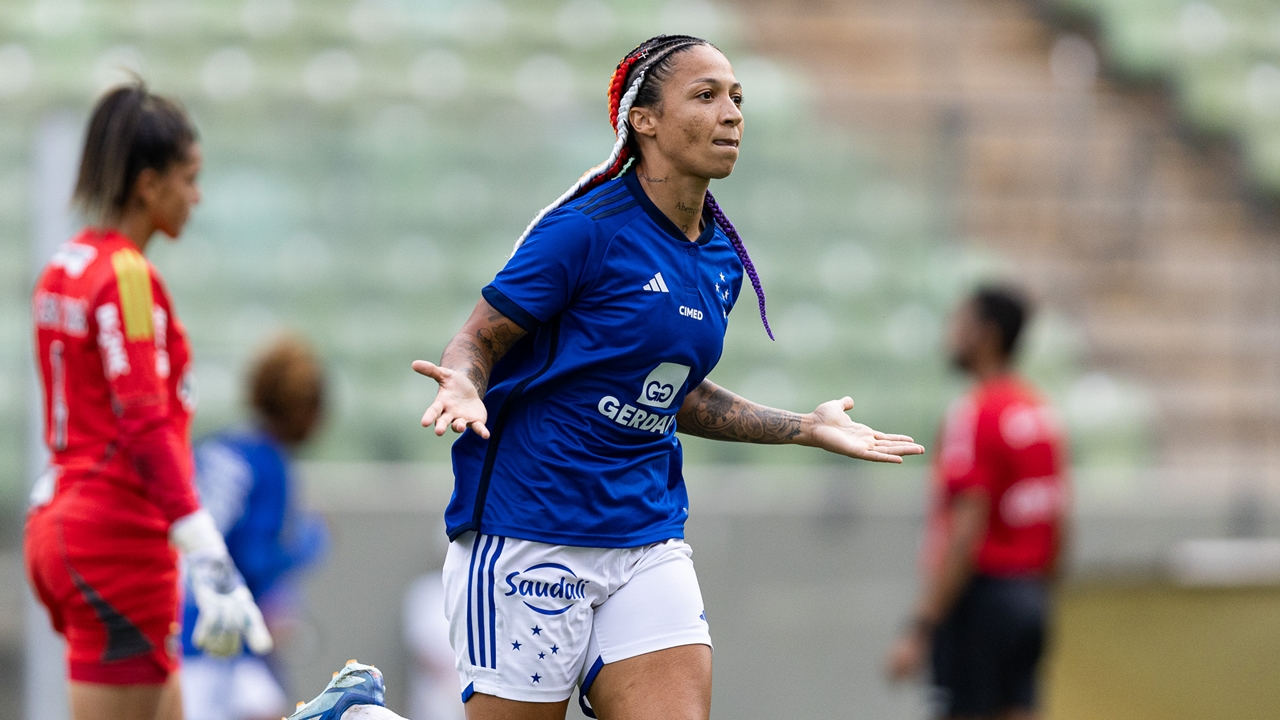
(116, 372)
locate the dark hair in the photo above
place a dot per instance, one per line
(287, 388)
(656, 57)
(131, 130)
(1005, 307)
(630, 87)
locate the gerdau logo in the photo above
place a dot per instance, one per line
(658, 390)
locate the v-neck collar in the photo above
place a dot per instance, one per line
(664, 222)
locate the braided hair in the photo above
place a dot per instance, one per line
(651, 59)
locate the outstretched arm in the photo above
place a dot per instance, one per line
(712, 412)
(463, 372)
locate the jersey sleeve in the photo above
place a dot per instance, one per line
(967, 457)
(546, 272)
(124, 313)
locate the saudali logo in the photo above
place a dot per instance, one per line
(547, 588)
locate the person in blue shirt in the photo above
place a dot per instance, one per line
(245, 480)
(586, 354)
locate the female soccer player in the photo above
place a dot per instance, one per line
(585, 355)
(118, 400)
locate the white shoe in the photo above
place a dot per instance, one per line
(354, 684)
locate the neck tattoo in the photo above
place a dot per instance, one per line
(685, 208)
(648, 179)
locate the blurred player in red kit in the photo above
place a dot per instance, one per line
(995, 530)
(116, 368)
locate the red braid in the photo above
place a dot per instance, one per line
(607, 175)
(651, 52)
(616, 88)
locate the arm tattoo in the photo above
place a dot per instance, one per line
(474, 361)
(476, 352)
(712, 412)
(499, 337)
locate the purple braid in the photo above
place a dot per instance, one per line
(723, 221)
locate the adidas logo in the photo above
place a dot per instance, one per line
(656, 284)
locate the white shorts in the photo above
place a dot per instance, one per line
(529, 621)
(239, 688)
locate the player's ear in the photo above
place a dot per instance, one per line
(146, 187)
(643, 121)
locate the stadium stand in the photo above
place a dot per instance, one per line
(369, 164)
(1221, 59)
(1150, 243)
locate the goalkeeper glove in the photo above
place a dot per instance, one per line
(226, 611)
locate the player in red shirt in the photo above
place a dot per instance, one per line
(116, 370)
(995, 528)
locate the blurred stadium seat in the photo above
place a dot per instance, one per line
(1222, 57)
(368, 164)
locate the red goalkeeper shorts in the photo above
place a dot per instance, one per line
(99, 559)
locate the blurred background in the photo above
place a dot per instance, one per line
(368, 164)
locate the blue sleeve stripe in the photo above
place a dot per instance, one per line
(507, 307)
(614, 210)
(604, 197)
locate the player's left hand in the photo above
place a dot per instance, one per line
(226, 610)
(833, 430)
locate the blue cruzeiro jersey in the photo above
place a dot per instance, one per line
(246, 483)
(625, 316)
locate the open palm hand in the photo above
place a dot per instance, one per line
(834, 431)
(457, 405)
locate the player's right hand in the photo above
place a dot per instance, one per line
(457, 405)
(907, 657)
